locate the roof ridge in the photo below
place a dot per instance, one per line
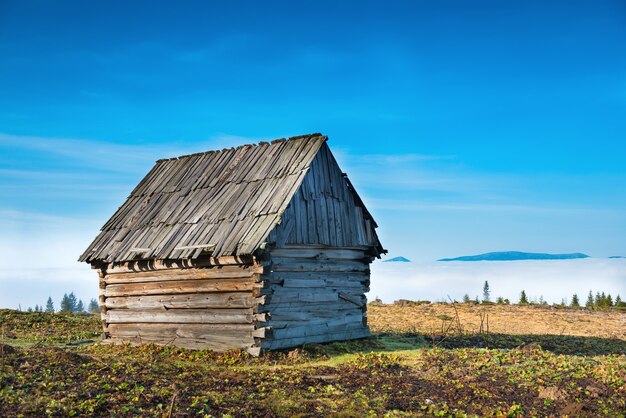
(273, 141)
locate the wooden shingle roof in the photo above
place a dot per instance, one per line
(224, 201)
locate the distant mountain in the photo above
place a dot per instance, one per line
(617, 256)
(397, 259)
(515, 255)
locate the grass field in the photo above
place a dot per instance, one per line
(423, 360)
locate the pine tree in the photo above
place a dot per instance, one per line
(575, 302)
(49, 305)
(589, 303)
(93, 306)
(523, 300)
(80, 307)
(618, 301)
(500, 301)
(609, 301)
(486, 292)
(66, 306)
(73, 302)
(36, 308)
(29, 309)
(69, 303)
(476, 300)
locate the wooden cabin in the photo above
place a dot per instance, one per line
(258, 247)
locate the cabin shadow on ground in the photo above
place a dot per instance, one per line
(557, 344)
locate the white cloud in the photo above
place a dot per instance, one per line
(553, 279)
(38, 254)
(109, 156)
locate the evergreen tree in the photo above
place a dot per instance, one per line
(69, 303)
(80, 307)
(486, 292)
(523, 300)
(589, 303)
(36, 308)
(49, 305)
(618, 301)
(65, 304)
(476, 300)
(575, 302)
(93, 306)
(73, 302)
(499, 300)
(609, 301)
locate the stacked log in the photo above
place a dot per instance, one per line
(316, 294)
(197, 305)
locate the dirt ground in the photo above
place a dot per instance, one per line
(430, 319)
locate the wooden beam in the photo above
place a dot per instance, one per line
(225, 272)
(178, 287)
(189, 301)
(191, 316)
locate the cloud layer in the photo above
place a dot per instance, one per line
(552, 280)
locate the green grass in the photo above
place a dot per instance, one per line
(390, 374)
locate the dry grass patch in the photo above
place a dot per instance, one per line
(429, 319)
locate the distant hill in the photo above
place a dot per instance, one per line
(515, 255)
(397, 260)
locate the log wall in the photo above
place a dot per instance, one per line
(197, 305)
(315, 294)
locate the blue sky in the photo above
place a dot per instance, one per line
(467, 126)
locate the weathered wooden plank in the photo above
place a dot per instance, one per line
(190, 301)
(294, 319)
(277, 290)
(343, 283)
(358, 301)
(310, 265)
(309, 330)
(304, 297)
(215, 344)
(324, 307)
(311, 315)
(319, 253)
(305, 283)
(350, 334)
(179, 330)
(353, 276)
(178, 287)
(193, 316)
(306, 306)
(262, 332)
(225, 272)
(333, 284)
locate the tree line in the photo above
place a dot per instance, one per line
(599, 300)
(69, 304)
